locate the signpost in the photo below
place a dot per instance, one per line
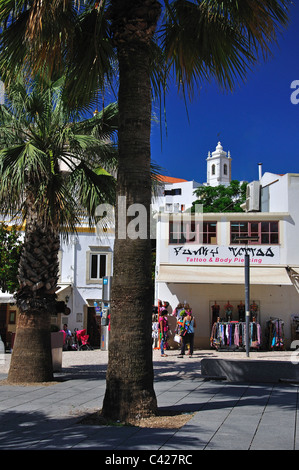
(106, 290)
(246, 239)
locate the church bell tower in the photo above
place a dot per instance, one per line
(218, 167)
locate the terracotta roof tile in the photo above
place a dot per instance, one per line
(170, 179)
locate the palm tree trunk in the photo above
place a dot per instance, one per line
(129, 380)
(38, 273)
(31, 358)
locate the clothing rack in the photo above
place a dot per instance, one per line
(155, 335)
(275, 334)
(232, 335)
(295, 327)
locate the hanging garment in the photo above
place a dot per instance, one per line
(233, 334)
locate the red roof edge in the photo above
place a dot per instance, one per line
(170, 179)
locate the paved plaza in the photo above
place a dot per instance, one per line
(225, 415)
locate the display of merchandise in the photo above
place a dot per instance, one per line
(233, 335)
(229, 327)
(215, 312)
(241, 311)
(228, 312)
(295, 327)
(155, 334)
(253, 311)
(275, 334)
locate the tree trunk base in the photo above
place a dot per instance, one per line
(31, 359)
(123, 403)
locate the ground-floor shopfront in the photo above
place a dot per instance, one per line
(77, 308)
(213, 295)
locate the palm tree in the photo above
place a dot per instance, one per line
(150, 43)
(50, 173)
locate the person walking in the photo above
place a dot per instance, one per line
(67, 338)
(163, 325)
(188, 333)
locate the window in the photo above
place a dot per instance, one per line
(173, 192)
(193, 232)
(98, 266)
(266, 232)
(176, 232)
(225, 169)
(213, 169)
(209, 235)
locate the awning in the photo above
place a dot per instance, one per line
(63, 290)
(6, 298)
(223, 275)
(293, 272)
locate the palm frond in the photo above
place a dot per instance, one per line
(92, 188)
(215, 39)
(91, 69)
(44, 155)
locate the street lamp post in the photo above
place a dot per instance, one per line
(246, 239)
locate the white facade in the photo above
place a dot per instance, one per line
(76, 285)
(204, 269)
(175, 195)
(218, 167)
(202, 272)
(85, 258)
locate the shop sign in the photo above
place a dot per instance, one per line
(223, 255)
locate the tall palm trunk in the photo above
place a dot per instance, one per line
(129, 385)
(38, 270)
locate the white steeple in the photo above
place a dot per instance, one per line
(219, 167)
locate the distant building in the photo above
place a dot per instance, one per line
(88, 257)
(203, 267)
(204, 264)
(218, 167)
(174, 194)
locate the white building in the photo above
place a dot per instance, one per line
(203, 267)
(174, 195)
(218, 167)
(84, 260)
(206, 267)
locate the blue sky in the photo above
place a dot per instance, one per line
(257, 122)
